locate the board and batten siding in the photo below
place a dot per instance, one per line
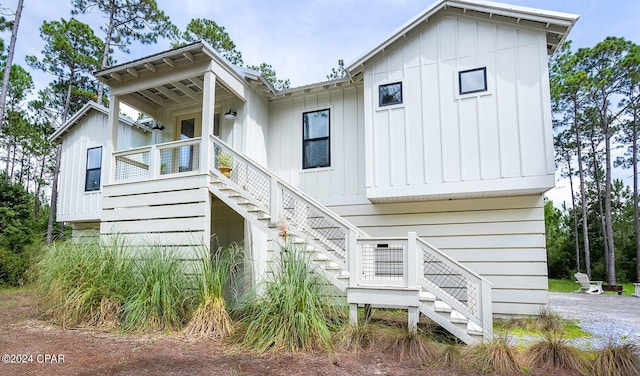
(502, 239)
(74, 204)
(439, 144)
(343, 181)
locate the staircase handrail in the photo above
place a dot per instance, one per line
(274, 178)
(480, 310)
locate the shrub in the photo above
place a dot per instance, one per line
(294, 311)
(554, 352)
(617, 360)
(72, 280)
(213, 275)
(160, 296)
(495, 356)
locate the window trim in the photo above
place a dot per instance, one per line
(390, 83)
(88, 170)
(486, 83)
(328, 138)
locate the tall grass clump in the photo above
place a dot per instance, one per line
(161, 295)
(82, 284)
(214, 273)
(495, 356)
(293, 311)
(554, 352)
(617, 360)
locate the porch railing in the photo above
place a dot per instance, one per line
(153, 161)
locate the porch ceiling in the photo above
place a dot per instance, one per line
(180, 92)
(171, 78)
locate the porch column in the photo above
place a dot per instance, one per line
(208, 109)
(111, 144)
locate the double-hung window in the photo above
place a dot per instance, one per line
(315, 139)
(94, 167)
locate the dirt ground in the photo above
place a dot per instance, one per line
(45, 349)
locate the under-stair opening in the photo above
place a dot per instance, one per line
(227, 229)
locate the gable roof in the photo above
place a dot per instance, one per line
(172, 57)
(557, 24)
(84, 111)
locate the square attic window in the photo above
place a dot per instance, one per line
(472, 80)
(390, 94)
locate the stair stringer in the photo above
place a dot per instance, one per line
(447, 324)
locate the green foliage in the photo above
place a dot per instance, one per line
(339, 72)
(18, 232)
(560, 259)
(214, 274)
(161, 296)
(294, 312)
(269, 74)
(70, 47)
(212, 33)
(129, 20)
(116, 285)
(73, 280)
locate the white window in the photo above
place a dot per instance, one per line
(472, 80)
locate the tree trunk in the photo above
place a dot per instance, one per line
(608, 228)
(636, 215)
(56, 168)
(7, 68)
(575, 217)
(583, 194)
(105, 53)
(54, 195)
(36, 201)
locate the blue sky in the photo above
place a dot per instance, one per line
(304, 39)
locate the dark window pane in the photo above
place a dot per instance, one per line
(316, 124)
(390, 94)
(93, 180)
(316, 153)
(473, 81)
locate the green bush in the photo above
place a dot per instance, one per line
(93, 284)
(292, 312)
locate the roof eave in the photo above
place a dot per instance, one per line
(537, 15)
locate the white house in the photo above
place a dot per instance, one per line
(418, 180)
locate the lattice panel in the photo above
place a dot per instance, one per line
(250, 179)
(132, 166)
(313, 222)
(382, 262)
(180, 159)
(439, 273)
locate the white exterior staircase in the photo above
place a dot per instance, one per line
(405, 273)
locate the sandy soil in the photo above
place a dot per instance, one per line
(45, 349)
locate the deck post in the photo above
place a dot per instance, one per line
(412, 262)
(275, 201)
(208, 100)
(353, 313)
(108, 175)
(352, 257)
(414, 317)
(487, 310)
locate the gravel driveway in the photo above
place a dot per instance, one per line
(608, 317)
